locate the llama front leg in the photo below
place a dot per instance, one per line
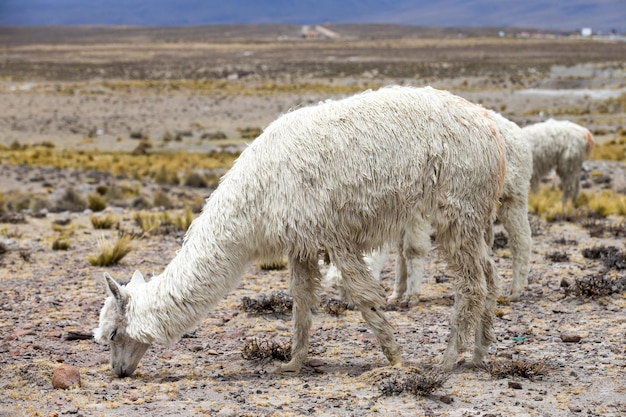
(366, 294)
(304, 285)
(416, 247)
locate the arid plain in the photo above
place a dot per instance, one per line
(129, 129)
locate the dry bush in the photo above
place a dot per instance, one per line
(598, 285)
(196, 180)
(249, 132)
(253, 349)
(500, 240)
(335, 307)
(610, 256)
(523, 368)
(71, 201)
(565, 242)
(12, 218)
(417, 382)
(277, 302)
(557, 256)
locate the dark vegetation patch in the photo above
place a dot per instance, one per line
(565, 242)
(598, 285)
(500, 240)
(523, 368)
(335, 307)
(557, 256)
(601, 229)
(278, 302)
(254, 349)
(610, 256)
(419, 382)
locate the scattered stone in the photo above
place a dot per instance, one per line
(515, 385)
(446, 399)
(65, 376)
(569, 337)
(315, 362)
(226, 412)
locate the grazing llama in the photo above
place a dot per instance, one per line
(560, 145)
(343, 176)
(512, 212)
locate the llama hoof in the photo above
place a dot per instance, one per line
(515, 296)
(393, 298)
(412, 300)
(290, 368)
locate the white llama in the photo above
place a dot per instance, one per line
(560, 145)
(344, 176)
(512, 212)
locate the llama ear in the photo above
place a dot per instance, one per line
(137, 278)
(115, 289)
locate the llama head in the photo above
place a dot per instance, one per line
(126, 352)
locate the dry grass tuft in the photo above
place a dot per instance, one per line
(103, 222)
(276, 265)
(96, 202)
(61, 244)
(518, 368)
(253, 349)
(112, 253)
(277, 302)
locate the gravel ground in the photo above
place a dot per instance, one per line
(577, 343)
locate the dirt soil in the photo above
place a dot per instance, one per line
(60, 90)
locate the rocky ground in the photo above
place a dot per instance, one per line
(572, 341)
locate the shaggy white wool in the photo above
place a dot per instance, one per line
(560, 145)
(343, 176)
(512, 212)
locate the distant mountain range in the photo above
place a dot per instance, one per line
(600, 15)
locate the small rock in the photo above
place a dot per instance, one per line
(575, 409)
(446, 399)
(65, 376)
(316, 362)
(226, 412)
(570, 337)
(212, 352)
(515, 385)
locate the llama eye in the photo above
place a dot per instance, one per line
(112, 335)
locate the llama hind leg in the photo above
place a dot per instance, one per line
(514, 216)
(367, 295)
(484, 332)
(304, 285)
(467, 255)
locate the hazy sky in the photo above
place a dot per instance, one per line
(556, 14)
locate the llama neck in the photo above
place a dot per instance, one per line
(208, 266)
